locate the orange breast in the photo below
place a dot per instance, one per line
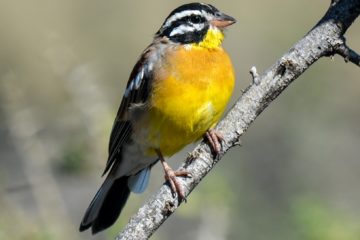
(189, 95)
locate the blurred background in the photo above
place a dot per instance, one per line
(63, 69)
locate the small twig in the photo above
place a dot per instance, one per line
(348, 54)
(254, 75)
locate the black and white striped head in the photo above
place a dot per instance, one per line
(190, 23)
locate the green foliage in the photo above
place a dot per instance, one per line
(74, 160)
(317, 221)
(15, 227)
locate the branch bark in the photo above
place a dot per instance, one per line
(325, 39)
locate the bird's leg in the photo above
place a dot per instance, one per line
(214, 138)
(171, 176)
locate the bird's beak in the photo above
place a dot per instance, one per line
(222, 20)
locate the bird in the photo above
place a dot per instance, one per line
(176, 94)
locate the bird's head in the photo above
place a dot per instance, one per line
(198, 24)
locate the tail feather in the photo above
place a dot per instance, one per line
(107, 204)
(140, 181)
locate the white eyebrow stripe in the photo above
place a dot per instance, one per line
(180, 15)
(186, 28)
(181, 29)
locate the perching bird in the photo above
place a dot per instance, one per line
(176, 94)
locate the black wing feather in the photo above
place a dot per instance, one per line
(134, 94)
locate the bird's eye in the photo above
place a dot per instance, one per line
(195, 19)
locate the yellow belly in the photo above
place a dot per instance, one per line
(189, 95)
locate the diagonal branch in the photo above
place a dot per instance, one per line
(322, 40)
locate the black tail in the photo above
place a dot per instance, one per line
(106, 206)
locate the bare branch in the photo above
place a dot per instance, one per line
(347, 53)
(321, 41)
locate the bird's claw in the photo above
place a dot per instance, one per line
(175, 184)
(214, 139)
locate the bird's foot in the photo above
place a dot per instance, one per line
(214, 139)
(171, 176)
(175, 184)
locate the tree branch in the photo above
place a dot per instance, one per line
(325, 39)
(347, 53)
